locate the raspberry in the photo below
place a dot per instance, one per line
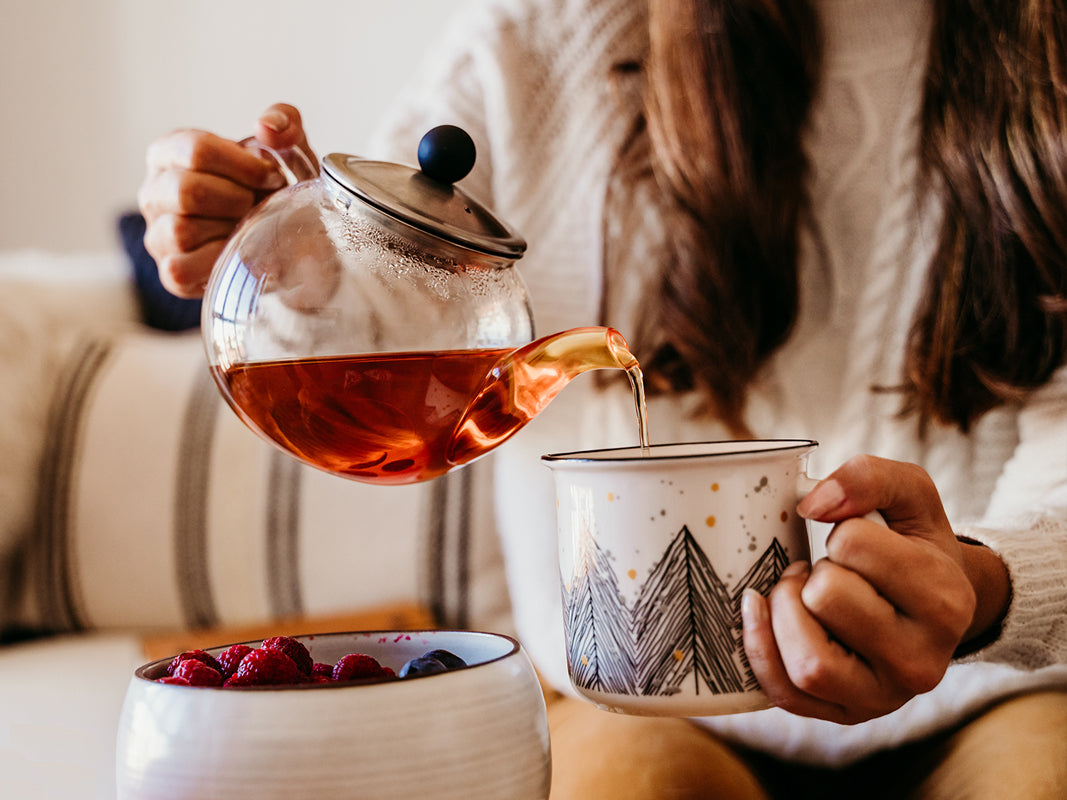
(322, 671)
(266, 668)
(195, 655)
(355, 666)
(197, 673)
(292, 648)
(174, 681)
(231, 657)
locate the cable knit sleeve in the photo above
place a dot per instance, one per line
(1026, 525)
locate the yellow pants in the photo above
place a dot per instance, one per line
(1017, 749)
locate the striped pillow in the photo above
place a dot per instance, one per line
(159, 509)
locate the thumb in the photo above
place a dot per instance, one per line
(903, 493)
(280, 127)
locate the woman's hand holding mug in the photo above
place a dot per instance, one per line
(878, 620)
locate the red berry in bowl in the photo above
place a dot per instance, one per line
(197, 673)
(230, 658)
(292, 648)
(357, 665)
(194, 655)
(266, 668)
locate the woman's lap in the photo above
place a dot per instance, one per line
(596, 754)
(1017, 749)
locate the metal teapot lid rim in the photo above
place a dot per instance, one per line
(435, 207)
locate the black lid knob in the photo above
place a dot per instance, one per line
(446, 153)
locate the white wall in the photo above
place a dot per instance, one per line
(85, 85)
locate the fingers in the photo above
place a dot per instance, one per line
(848, 608)
(189, 216)
(281, 126)
(917, 578)
(917, 563)
(198, 194)
(202, 152)
(766, 663)
(846, 657)
(905, 655)
(877, 621)
(186, 274)
(903, 493)
(185, 233)
(199, 186)
(794, 688)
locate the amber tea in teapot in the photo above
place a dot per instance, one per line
(394, 418)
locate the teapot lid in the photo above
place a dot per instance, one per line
(426, 198)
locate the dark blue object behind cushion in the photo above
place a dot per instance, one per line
(159, 307)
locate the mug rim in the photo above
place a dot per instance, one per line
(680, 451)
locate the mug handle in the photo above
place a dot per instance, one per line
(805, 484)
(293, 163)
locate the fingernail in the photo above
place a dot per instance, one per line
(275, 120)
(753, 607)
(798, 569)
(821, 500)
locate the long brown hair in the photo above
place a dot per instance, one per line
(729, 87)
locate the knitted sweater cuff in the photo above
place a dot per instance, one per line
(1034, 550)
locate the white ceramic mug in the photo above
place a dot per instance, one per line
(656, 546)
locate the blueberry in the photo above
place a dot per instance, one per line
(423, 665)
(450, 660)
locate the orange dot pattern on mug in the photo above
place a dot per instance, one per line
(710, 521)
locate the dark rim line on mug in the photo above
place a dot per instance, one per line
(741, 447)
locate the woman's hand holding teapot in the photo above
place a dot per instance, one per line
(197, 188)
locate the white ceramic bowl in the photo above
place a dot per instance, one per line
(469, 733)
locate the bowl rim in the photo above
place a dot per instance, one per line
(142, 672)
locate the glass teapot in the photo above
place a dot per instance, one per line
(370, 321)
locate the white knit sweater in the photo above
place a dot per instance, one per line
(528, 80)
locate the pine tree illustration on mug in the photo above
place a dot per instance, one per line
(685, 621)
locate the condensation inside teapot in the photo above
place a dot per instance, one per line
(317, 273)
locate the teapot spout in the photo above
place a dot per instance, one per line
(522, 383)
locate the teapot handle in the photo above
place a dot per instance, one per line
(293, 163)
